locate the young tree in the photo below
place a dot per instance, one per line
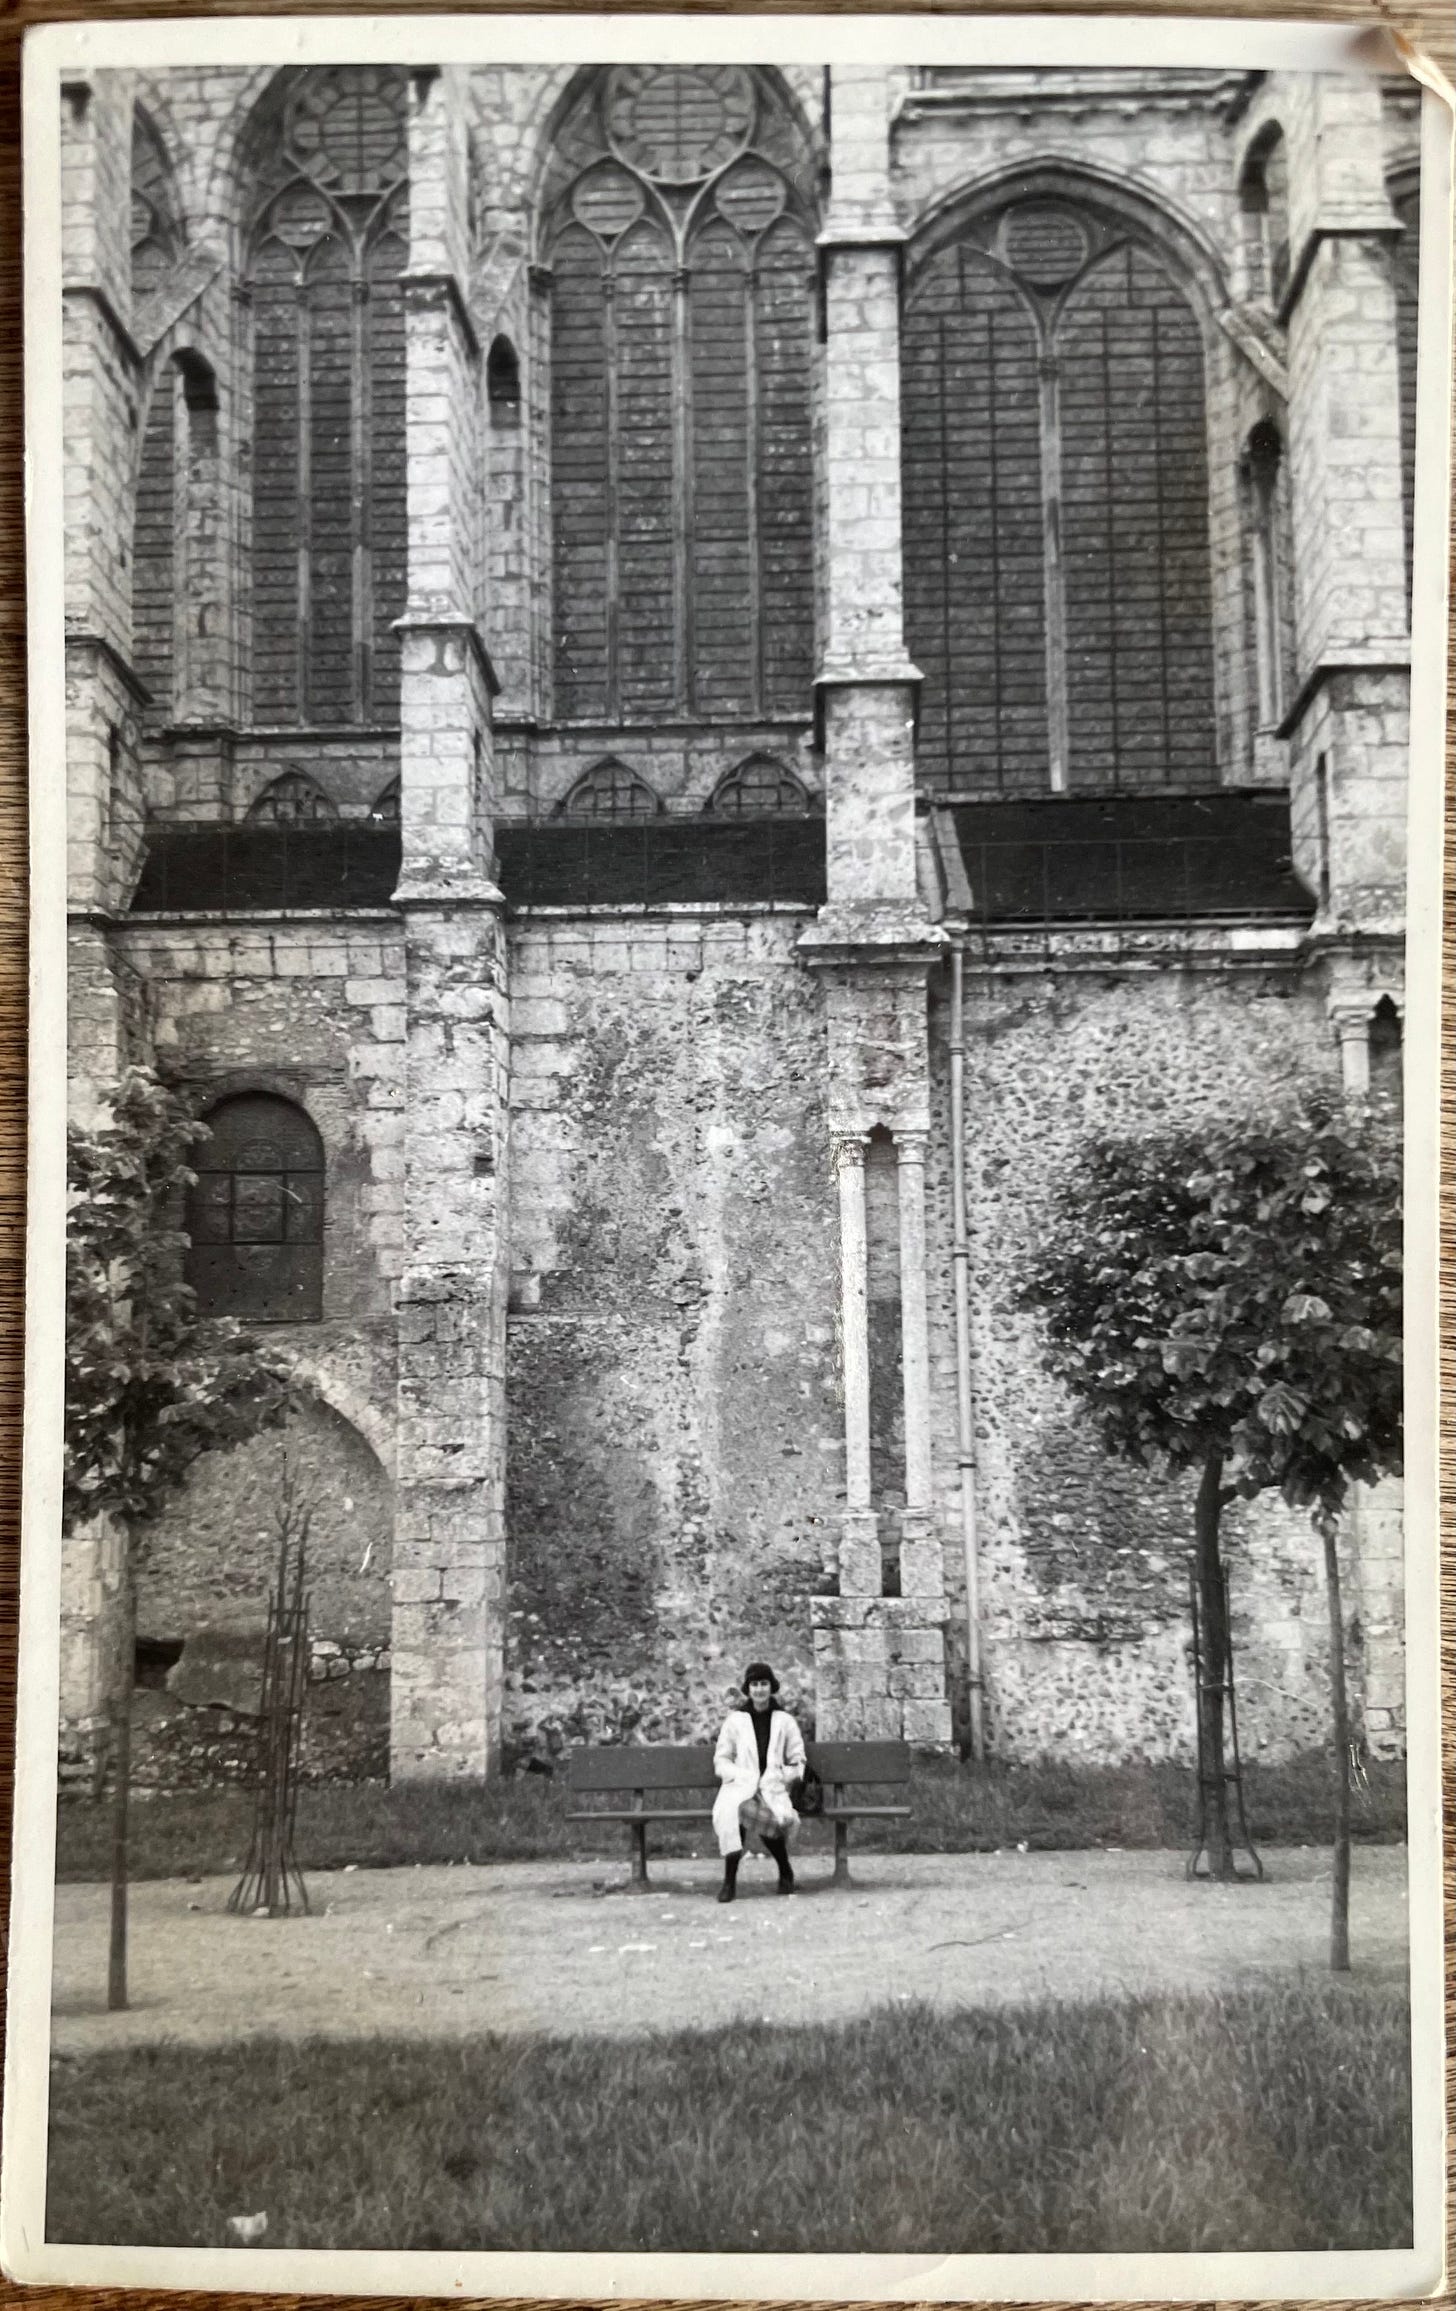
(1229, 1301)
(148, 1388)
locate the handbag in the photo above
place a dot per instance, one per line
(809, 1798)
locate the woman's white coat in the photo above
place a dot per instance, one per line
(735, 1761)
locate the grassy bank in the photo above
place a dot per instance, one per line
(1277, 2119)
(955, 1809)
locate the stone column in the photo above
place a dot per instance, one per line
(922, 1558)
(859, 1551)
(449, 1554)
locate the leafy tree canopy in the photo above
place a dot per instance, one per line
(148, 1387)
(1237, 1292)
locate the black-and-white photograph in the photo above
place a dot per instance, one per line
(728, 1574)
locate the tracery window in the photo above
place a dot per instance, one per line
(609, 790)
(1406, 200)
(328, 248)
(1058, 572)
(255, 1218)
(678, 222)
(761, 787)
(292, 800)
(384, 810)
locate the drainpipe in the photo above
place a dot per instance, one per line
(965, 1409)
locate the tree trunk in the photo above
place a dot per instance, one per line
(1208, 1573)
(1340, 1715)
(121, 1776)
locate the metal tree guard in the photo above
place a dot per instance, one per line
(272, 1879)
(1226, 1770)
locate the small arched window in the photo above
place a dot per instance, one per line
(292, 800)
(503, 382)
(255, 1218)
(1264, 201)
(1266, 483)
(760, 788)
(328, 248)
(1406, 200)
(609, 790)
(384, 810)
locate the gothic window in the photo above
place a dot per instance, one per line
(1057, 557)
(1264, 201)
(384, 810)
(156, 232)
(679, 228)
(154, 544)
(609, 790)
(503, 382)
(1266, 484)
(759, 788)
(327, 253)
(292, 800)
(1407, 203)
(255, 1218)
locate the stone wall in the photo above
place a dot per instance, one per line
(1085, 1560)
(675, 1451)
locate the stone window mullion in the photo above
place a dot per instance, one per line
(610, 511)
(753, 461)
(683, 637)
(1053, 576)
(361, 463)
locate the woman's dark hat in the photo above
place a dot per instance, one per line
(757, 1673)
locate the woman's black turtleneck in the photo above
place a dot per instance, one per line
(762, 1727)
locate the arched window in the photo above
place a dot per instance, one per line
(179, 448)
(1057, 557)
(1406, 200)
(1264, 201)
(609, 790)
(503, 382)
(156, 230)
(384, 810)
(679, 228)
(255, 1219)
(1266, 484)
(292, 800)
(760, 788)
(327, 250)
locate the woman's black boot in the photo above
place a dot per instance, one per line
(730, 1876)
(780, 1852)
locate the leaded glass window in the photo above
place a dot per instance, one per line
(609, 790)
(1057, 555)
(328, 249)
(678, 222)
(255, 1218)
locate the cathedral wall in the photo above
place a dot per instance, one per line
(675, 1427)
(1085, 1559)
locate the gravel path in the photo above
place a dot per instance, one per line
(560, 1946)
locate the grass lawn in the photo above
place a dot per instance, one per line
(1276, 2119)
(955, 1809)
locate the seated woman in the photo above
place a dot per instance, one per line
(760, 1751)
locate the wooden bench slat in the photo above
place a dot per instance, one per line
(848, 1813)
(623, 1767)
(871, 1761)
(650, 1813)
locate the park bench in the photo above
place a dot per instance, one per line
(650, 1778)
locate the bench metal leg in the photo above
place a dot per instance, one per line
(639, 1856)
(841, 1853)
